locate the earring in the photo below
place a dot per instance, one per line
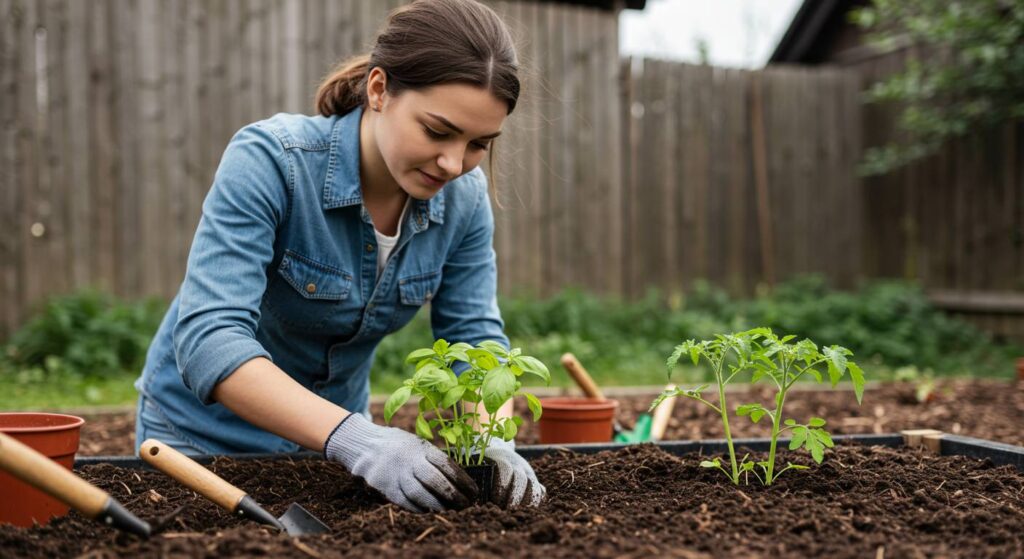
(377, 108)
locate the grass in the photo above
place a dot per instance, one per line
(65, 391)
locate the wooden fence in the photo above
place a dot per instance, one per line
(953, 222)
(114, 114)
(740, 177)
(613, 175)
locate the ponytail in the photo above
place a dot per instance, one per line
(344, 88)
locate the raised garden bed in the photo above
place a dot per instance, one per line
(863, 501)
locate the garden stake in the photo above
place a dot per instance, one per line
(35, 469)
(648, 427)
(296, 521)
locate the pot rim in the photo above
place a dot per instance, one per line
(70, 422)
(577, 403)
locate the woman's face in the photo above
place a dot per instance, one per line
(432, 136)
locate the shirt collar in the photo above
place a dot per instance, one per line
(342, 186)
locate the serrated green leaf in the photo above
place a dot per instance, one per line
(790, 422)
(799, 436)
(695, 354)
(397, 399)
(423, 428)
(815, 373)
(857, 376)
(834, 374)
(824, 437)
(534, 404)
(816, 422)
(817, 449)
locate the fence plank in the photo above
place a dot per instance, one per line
(12, 55)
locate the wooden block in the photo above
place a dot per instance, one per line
(914, 438)
(933, 443)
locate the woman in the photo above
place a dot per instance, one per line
(320, 235)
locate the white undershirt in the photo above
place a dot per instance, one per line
(386, 244)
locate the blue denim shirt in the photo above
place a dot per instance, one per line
(284, 266)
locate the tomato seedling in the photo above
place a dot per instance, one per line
(491, 379)
(783, 362)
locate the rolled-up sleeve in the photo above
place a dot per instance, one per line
(465, 308)
(226, 275)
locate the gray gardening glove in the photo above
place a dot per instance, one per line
(409, 471)
(516, 483)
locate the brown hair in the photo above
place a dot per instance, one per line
(425, 43)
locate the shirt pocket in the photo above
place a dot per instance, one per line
(413, 292)
(304, 293)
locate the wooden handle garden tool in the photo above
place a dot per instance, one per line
(662, 414)
(589, 387)
(295, 521)
(35, 469)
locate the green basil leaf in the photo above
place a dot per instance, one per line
(534, 404)
(419, 354)
(499, 385)
(397, 399)
(422, 428)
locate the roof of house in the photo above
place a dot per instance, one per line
(812, 27)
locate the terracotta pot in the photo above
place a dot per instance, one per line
(56, 437)
(576, 420)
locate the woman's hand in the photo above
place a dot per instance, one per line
(408, 470)
(516, 483)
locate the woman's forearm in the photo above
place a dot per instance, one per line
(264, 395)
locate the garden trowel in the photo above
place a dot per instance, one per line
(296, 521)
(35, 469)
(648, 427)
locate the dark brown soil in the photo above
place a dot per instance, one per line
(985, 409)
(640, 501)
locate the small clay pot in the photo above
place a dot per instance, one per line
(576, 420)
(483, 476)
(54, 435)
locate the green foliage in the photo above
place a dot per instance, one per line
(492, 378)
(783, 361)
(87, 334)
(971, 76)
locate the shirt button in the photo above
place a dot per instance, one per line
(311, 288)
(369, 247)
